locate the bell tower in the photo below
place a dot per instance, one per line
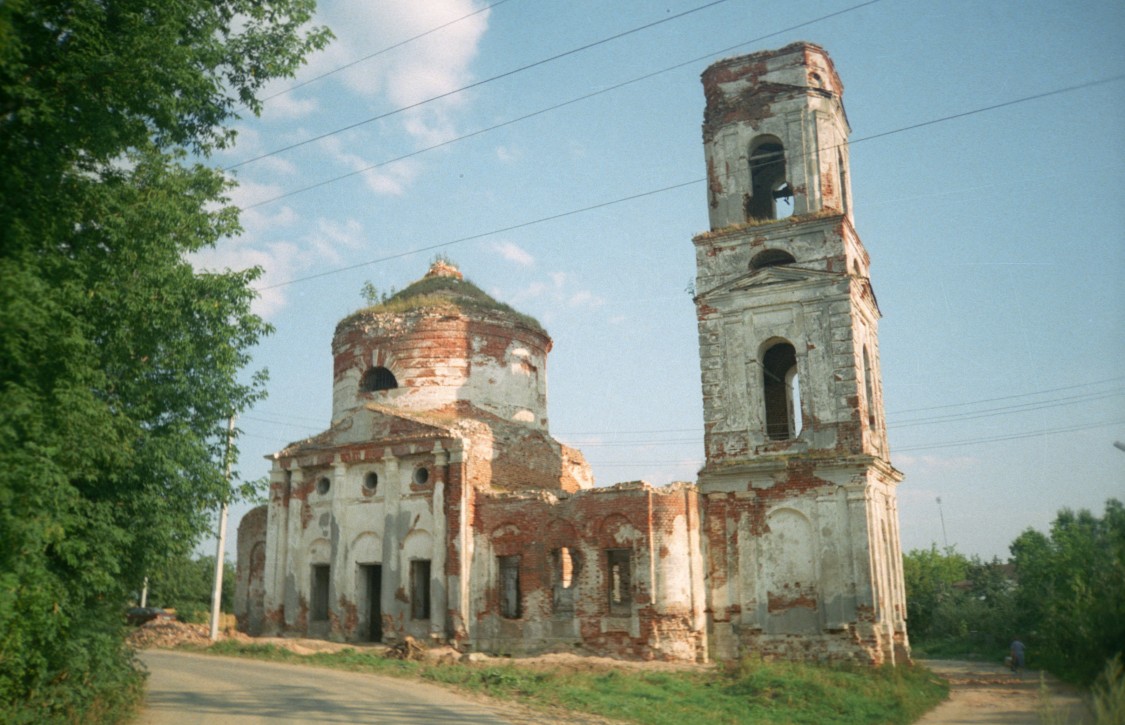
(801, 520)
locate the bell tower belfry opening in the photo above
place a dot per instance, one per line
(800, 515)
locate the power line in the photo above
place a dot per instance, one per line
(1007, 410)
(1012, 437)
(1007, 397)
(481, 235)
(1004, 410)
(555, 107)
(948, 444)
(1025, 99)
(384, 50)
(653, 192)
(476, 84)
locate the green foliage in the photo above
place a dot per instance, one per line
(1109, 694)
(748, 692)
(119, 364)
(957, 606)
(439, 292)
(185, 584)
(1071, 598)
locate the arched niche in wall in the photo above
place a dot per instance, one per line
(788, 571)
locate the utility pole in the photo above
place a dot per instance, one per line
(944, 538)
(217, 592)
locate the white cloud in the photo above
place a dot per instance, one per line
(585, 298)
(331, 237)
(508, 155)
(421, 69)
(278, 260)
(390, 180)
(514, 253)
(556, 292)
(258, 220)
(288, 106)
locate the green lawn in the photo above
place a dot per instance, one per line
(748, 692)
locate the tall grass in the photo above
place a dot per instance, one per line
(750, 691)
(1109, 694)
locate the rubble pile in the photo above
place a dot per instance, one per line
(407, 649)
(169, 633)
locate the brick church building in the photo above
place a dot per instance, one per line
(438, 505)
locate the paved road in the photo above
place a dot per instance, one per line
(185, 689)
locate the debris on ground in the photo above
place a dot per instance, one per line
(165, 633)
(407, 649)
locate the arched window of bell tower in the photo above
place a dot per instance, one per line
(768, 180)
(781, 392)
(843, 180)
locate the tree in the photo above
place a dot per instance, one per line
(1071, 600)
(119, 363)
(184, 583)
(929, 576)
(957, 605)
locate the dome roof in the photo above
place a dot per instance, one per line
(444, 287)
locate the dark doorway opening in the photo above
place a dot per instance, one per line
(371, 613)
(321, 578)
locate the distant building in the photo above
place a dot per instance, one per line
(438, 505)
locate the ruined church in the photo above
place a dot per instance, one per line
(438, 505)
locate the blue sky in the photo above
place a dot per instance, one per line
(996, 237)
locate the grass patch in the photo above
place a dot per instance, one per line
(444, 293)
(747, 692)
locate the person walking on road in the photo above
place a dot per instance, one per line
(1016, 652)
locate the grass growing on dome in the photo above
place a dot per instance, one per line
(446, 292)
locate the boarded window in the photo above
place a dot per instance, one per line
(318, 604)
(510, 587)
(620, 581)
(420, 589)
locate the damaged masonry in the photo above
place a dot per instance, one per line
(437, 505)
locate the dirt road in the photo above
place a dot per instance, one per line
(988, 694)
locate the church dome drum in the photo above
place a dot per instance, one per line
(438, 346)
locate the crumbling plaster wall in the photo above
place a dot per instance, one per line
(817, 305)
(658, 527)
(249, 583)
(349, 525)
(794, 97)
(799, 567)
